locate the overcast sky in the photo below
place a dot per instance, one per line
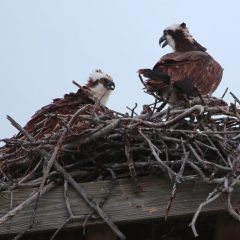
(45, 44)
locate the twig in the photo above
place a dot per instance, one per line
(67, 202)
(131, 167)
(231, 210)
(154, 105)
(29, 175)
(59, 146)
(132, 110)
(75, 83)
(211, 197)
(169, 122)
(60, 228)
(206, 163)
(235, 98)
(26, 203)
(178, 180)
(224, 93)
(11, 202)
(104, 200)
(68, 206)
(91, 202)
(104, 131)
(170, 172)
(22, 130)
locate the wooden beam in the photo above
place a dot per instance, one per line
(101, 232)
(124, 205)
(227, 228)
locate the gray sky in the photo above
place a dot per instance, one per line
(44, 45)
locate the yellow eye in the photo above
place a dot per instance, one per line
(101, 80)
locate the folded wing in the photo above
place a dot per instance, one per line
(191, 73)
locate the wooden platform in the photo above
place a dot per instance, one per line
(124, 205)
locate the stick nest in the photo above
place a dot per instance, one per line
(197, 143)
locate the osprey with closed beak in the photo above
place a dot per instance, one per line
(189, 71)
(49, 119)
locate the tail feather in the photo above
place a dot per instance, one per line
(154, 74)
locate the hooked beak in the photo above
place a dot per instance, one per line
(110, 85)
(164, 40)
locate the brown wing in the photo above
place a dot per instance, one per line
(53, 117)
(191, 72)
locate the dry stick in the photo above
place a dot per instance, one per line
(131, 167)
(154, 105)
(76, 84)
(22, 130)
(68, 206)
(67, 201)
(153, 148)
(61, 227)
(25, 203)
(90, 201)
(229, 204)
(78, 217)
(80, 190)
(120, 114)
(55, 153)
(204, 179)
(205, 162)
(132, 110)
(217, 150)
(217, 110)
(178, 180)
(97, 104)
(113, 183)
(231, 209)
(45, 174)
(39, 193)
(25, 178)
(235, 98)
(58, 147)
(224, 93)
(172, 121)
(104, 200)
(103, 131)
(19, 235)
(211, 197)
(11, 202)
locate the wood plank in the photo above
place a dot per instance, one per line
(124, 206)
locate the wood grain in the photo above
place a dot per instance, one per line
(124, 205)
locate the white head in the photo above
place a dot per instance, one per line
(178, 38)
(101, 85)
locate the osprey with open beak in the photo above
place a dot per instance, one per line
(189, 71)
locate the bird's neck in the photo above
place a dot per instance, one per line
(100, 93)
(184, 45)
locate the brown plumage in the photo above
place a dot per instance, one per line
(190, 70)
(52, 118)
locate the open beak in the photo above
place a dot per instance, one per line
(110, 85)
(163, 40)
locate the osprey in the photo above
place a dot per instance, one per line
(52, 117)
(189, 71)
